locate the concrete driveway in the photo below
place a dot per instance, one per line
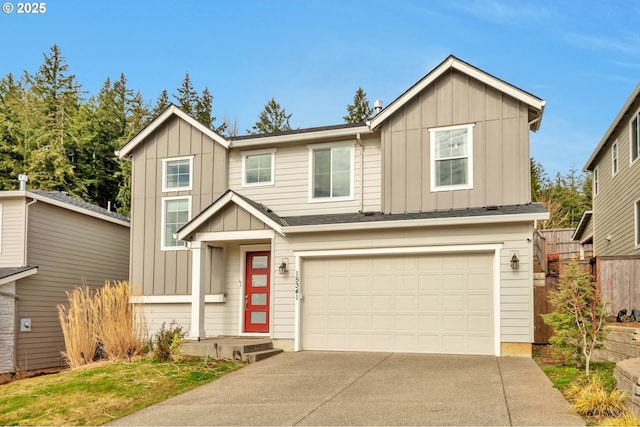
(327, 388)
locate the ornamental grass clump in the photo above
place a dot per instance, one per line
(593, 399)
(119, 326)
(78, 326)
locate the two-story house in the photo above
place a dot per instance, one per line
(411, 232)
(614, 221)
(50, 243)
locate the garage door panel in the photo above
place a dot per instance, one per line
(407, 303)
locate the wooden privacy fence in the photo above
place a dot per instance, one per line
(558, 240)
(619, 279)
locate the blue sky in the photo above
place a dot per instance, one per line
(582, 57)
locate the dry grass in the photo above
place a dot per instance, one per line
(78, 326)
(104, 317)
(119, 325)
(628, 419)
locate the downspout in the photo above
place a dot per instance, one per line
(359, 143)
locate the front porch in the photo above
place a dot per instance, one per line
(248, 349)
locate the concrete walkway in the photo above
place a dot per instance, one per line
(323, 388)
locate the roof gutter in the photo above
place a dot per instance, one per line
(299, 137)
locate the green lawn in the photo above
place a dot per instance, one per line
(99, 393)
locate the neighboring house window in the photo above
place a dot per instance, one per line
(614, 158)
(176, 212)
(637, 223)
(177, 174)
(451, 158)
(595, 182)
(331, 172)
(634, 134)
(258, 167)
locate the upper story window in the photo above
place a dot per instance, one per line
(177, 174)
(258, 167)
(634, 137)
(332, 171)
(614, 158)
(176, 212)
(451, 157)
(595, 182)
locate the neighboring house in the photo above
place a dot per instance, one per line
(50, 243)
(583, 234)
(615, 168)
(411, 232)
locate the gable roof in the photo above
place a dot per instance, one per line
(536, 105)
(582, 227)
(66, 201)
(258, 210)
(298, 135)
(625, 108)
(11, 274)
(169, 112)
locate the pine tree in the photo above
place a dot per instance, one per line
(161, 103)
(360, 110)
(12, 132)
(272, 119)
(187, 96)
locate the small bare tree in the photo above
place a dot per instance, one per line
(579, 316)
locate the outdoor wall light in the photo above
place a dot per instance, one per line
(515, 262)
(283, 266)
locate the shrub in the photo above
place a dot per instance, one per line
(167, 341)
(628, 419)
(78, 326)
(594, 400)
(553, 256)
(119, 326)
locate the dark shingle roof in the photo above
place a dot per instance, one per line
(262, 208)
(10, 271)
(63, 197)
(530, 208)
(295, 131)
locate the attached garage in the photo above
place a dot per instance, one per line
(411, 302)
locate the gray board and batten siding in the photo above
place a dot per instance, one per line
(70, 249)
(500, 147)
(153, 271)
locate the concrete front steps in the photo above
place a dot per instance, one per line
(248, 349)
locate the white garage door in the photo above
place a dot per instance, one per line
(405, 303)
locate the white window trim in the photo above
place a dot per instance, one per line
(596, 184)
(352, 168)
(632, 161)
(1, 230)
(635, 223)
(245, 154)
(615, 161)
(164, 174)
(432, 161)
(163, 247)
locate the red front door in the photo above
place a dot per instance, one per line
(256, 293)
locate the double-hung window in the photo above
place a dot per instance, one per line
(258, 167)
(596, 183)
(636, 221)
(177, 176)
(634, 137)
(451, 150)
(332, 172)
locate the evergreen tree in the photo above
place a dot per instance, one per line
(53, 97)
(161, 103)
(12, 132)
(360, 110)
(272, 119)
(187, 97)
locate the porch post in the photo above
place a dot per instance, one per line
(198, 250)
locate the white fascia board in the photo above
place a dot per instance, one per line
(301, 136)
(220, 204)
(431, 222)
(234, 236)
(18, 276)
(456, 64)
(175, 299)
(133, 143)
(78, 209)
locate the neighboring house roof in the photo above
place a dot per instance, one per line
(536, 104)
(66, 201)
(583, 227)
(589, 166)
(365, 220)
(170, 111)
(11, 274)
